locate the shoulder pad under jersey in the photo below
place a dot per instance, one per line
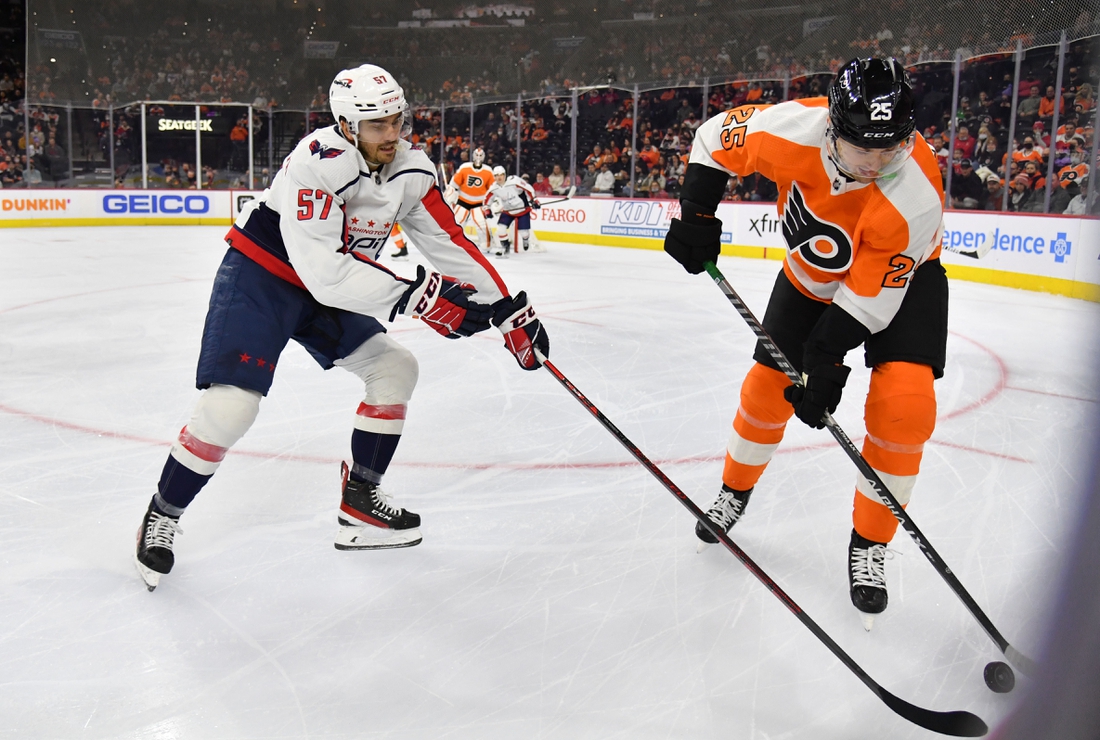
(325, 159)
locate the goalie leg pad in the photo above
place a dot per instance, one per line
(900, 415)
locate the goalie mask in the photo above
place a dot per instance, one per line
(372, 103)
(478, 157)
(871, 118)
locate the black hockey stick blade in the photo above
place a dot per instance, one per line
(955, 724)
(1026, 665)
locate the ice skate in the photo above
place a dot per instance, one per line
(153, 556)
(726, 510)
(369, 522)
(401, 254)
(867, 577)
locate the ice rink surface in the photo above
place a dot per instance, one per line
(557, 593)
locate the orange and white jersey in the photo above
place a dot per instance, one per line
(855, 244)
(472, 183)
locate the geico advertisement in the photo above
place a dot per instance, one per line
(106, 207)
(1034, 245)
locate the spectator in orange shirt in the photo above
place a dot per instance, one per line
(1046, 106)
(1028, 152)
(649, 153)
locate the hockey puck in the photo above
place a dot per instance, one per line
(999, 677)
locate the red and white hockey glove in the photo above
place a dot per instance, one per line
(522, 330)
(443, 304)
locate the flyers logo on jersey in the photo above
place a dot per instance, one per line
(817, 242)
(473, 181)
(322, 151)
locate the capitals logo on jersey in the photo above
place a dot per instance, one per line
(322, 151)
(819, 243)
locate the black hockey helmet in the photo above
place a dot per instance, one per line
(871, 103)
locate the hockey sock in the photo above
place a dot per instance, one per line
(371, 453)
(178, 487)
(900, 416)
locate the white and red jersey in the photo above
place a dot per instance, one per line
(325, 219)
(855, 244)
(472, 183)
(516, 196)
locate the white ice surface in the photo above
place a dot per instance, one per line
(557, 593)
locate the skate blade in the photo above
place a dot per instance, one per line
(351, 537)
(150, 577)
(868, 620)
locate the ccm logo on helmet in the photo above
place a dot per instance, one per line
(394, 99)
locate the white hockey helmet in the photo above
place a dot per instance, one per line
(499, 171)
(478, 157)
(368, 93)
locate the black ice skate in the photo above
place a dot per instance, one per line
(369, 522)
(867, 577)
(726, 510)
(153, 556)
(401, 254)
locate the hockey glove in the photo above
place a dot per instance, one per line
(819, 394)
(443, 304)
(694, 238)
(522, 330)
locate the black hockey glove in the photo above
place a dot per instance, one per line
(443, 304)
(835, 333)
(694, 238)
(821, 393)
(522, 330)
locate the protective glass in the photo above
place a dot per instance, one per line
(386, 130)
(857, 161)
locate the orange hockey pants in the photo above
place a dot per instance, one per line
(900, 415)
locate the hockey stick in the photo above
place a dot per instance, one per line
(568, 195)
(957, 724)
(1021, 661)
(983, 248)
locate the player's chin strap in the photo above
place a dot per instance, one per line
(1021, 661)
(959, 724)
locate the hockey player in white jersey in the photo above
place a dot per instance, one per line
(302, 265)
(511, 200)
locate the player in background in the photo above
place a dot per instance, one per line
(511, 200)
(398, 238)
(303, 264)
(861, 207)
(466, 194)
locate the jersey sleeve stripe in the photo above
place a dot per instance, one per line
(372, 263)
(349, 184)
(444, 218)
(409, 172)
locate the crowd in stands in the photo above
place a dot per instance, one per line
(185, 53)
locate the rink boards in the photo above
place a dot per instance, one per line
(1053, 254)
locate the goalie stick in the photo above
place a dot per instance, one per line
(956, 724)
(1018, 659)
(570, 194)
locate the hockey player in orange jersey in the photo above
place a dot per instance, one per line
(469, 186)
(861, 207)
